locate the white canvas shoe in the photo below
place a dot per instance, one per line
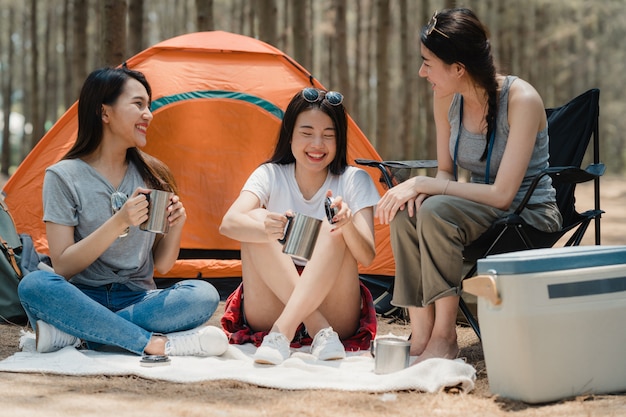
(51, 339)
(201, 341)
(326, 345)
(274, 349)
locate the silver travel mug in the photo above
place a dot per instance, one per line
(390, 354)
(157, 212)
(300, 236)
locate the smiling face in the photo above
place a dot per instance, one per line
(440, 75)
(129, 116)
(313, 142)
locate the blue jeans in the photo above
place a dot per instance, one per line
(113, 314)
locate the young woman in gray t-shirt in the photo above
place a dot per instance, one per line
(102, 290)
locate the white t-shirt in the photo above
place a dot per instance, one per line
(276, 187)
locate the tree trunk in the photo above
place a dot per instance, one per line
(135, 27)
(357, 85)
(266, 12)
(250, 19)
(301, 35)
(37, 119)
(283, 35)
(50, 95)
(68, 92)
(113, 32)
(79, 53)
(181, 17)
(24, 76)
(370, 92)
(7, 92)
(382, 77)
(328, 69)
(406, 93)
(236, 16)
(429, 141)
(204, 15)
(341, 52)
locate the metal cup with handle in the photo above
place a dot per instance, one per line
(157, 212)
(300, 236)
(390, 354)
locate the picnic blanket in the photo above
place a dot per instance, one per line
(301, 371)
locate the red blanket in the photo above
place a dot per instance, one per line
(239, 333)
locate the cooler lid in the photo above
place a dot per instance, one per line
(552, 259)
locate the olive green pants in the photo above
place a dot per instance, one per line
(428, 247)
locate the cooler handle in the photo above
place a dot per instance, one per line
(483, 286)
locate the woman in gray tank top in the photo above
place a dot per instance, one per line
(489, 124)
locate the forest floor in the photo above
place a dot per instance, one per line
(40, 395)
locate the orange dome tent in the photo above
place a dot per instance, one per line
(218, 99)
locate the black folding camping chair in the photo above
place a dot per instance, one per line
(570, 129)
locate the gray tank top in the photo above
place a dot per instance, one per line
(471, 147)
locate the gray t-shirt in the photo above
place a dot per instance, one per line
(75, 194)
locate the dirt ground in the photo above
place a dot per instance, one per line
(41, 395)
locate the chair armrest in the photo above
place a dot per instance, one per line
(574, 175)
(568, 174)
(419, 163)
(386, 167)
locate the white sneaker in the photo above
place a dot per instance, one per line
(274, 350)
(51, 339)
(201, 341)
(326, 345)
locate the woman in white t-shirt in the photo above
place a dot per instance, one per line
(286, 301)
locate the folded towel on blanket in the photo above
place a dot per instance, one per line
(301, 371)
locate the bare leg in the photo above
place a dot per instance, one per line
(422, 323)
(268, 278)
(443, 341)
(278, 298)
(156, 346)
(329, 282)
(340, 297)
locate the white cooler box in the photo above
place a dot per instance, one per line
(553, 321)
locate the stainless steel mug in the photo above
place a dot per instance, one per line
(390, 354)
(300, 236)
(157, 212)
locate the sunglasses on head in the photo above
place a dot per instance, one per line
(432, 26)
(313, 95)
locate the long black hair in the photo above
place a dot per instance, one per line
(104, 86)
(298, 104)
(457, 36)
